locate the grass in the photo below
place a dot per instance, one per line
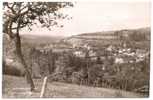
(16, 87)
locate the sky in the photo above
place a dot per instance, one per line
(95, 16)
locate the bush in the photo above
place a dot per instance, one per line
(13, 70)
(94, 72)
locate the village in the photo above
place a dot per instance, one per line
(111, 60)
(89, 62)
(48, 51)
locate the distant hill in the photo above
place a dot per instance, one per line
(40, 39)
(106, 37)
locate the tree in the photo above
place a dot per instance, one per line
(19, 15)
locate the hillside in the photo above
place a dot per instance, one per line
(40, 39)
(16, 87)
(109, 37)
(108, 33)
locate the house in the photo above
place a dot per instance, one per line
(79, 53)
(119, 60)
(92, 53)
(87, 46)
(110, 48)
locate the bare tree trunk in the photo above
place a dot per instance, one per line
(51, 62)
(20, 56)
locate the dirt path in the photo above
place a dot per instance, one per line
(15, 87)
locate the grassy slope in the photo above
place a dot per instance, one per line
(14, 87)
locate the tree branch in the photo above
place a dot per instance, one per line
(11, 8)
(14, 28)
(23, 8)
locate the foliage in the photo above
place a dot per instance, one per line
(138, 36)
(14, 68)
(32, 13)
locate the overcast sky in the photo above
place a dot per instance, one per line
(101, 16)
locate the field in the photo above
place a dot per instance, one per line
(16, 87)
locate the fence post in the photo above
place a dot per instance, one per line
(43, 89)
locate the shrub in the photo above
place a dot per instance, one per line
(13, 70)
